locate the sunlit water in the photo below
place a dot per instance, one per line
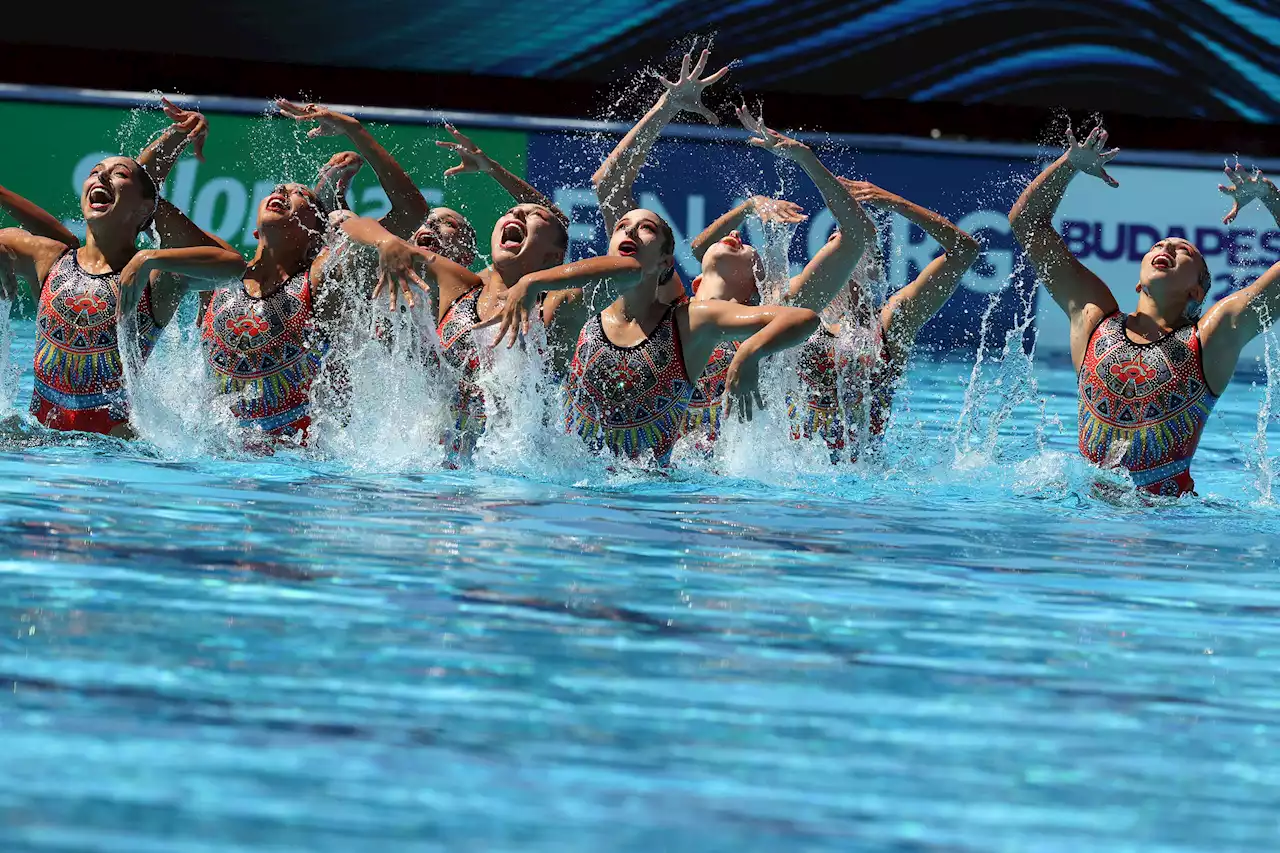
(956, 647)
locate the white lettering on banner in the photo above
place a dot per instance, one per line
(998, 261)
(231, 193)
(570, 200)
(374, 203)
(695, 221)
(183, 178)
(903, 253)
(821, 224)
(83, 167)
(261, 189)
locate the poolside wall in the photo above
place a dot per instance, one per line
(53, 136)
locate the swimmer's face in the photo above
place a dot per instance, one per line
(640, 234)
(530, 232)
(115, 189)
(448, 233)
(1172, 267)
(291, 209)
(737, 265)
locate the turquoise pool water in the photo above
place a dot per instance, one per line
(959, 648)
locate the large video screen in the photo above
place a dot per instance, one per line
(1204, 59)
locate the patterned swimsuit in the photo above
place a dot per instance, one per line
(703, 415)
(1144, 403)
(869, 376)
(458, 348)
(632, 400)
(79, 373)
(266, 351)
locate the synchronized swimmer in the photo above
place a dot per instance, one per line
(660, 363)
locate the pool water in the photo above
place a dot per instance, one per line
(958, 647)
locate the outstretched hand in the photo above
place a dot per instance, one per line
(767, 138)
(515, 315)
(1091, 155)
(777, 210)
(397, 271)
(1245, 187)
(473, 159)
(191, 123)
(685, 92)
(328, 122)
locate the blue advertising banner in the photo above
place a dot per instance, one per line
(691, 182)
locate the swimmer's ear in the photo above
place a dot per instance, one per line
(696, 283)
(255, 233)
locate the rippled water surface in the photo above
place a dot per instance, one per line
(959, 648)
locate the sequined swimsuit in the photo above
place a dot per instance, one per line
(79, 373)
(1144, 406)
(267, 352)
(631, 400)
(703, 415)
(827, 411)
(458, 348)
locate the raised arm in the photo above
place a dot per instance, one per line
(914, 305)
(829, 271)
(408, 207)
(34, 219)
(616, 177)
(768, 209)
(189, 127)
(335, 179)
(158, 158)
(30, 256)
(473, 160)
(771, 328)
(1084, 297)
(1242, 316)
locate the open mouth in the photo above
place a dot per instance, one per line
(1162, 262)
(513, 235)
(426, 239)
(627, 248)
(732, 242)
(277, 203)
(100, 198)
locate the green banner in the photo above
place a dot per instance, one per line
(48, 150)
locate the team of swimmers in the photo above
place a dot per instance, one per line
(641, 361)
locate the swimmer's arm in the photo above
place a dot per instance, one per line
(1236, 320)
(1084, 297)
(177, 231)
(600, 281)
(408, 207)
(203, 263)
(35, 219)
(831, 268)
(914, 305)
(476, 161)
(616, 177)
(189, 126)
(768, 328)
(32, 257)
(402, 265)
(334, 179)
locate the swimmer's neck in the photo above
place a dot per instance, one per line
(273, 265)
(107, 245)
(640, 303)
(1153, 319)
